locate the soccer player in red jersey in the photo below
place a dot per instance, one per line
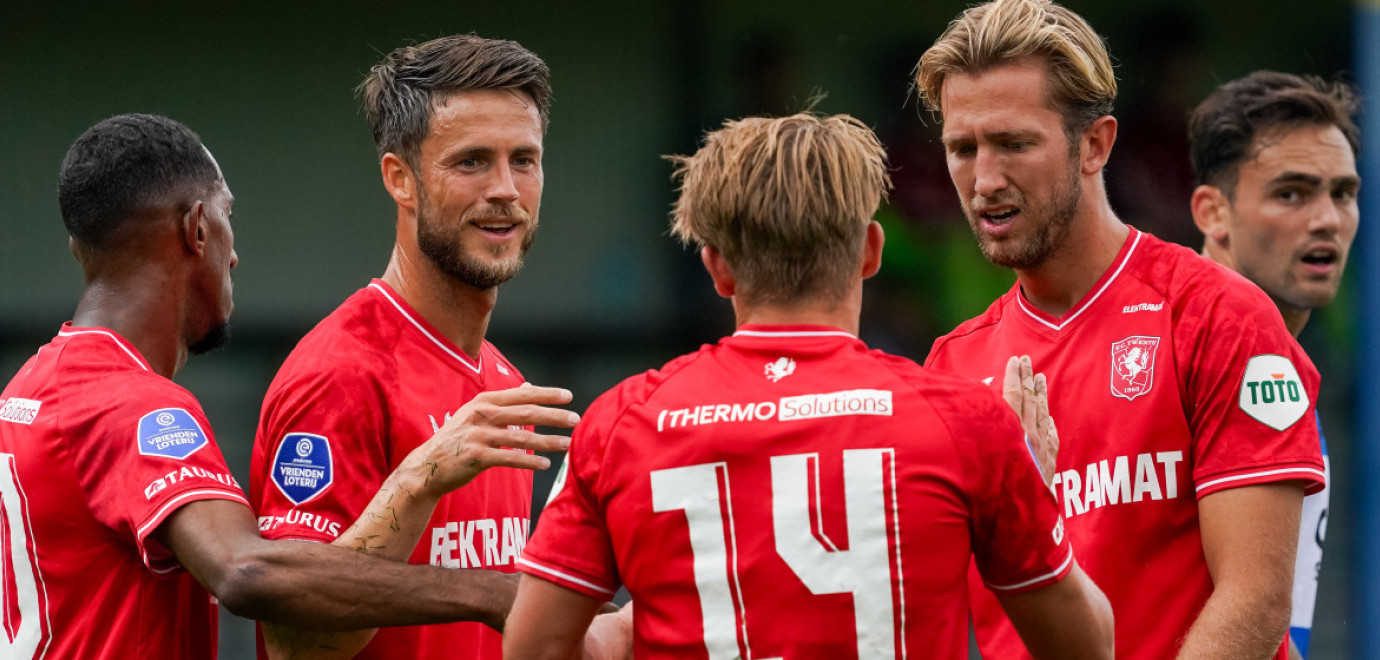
(119, 511)
(789, 492)
(1185, 409)
(1275, 155)
(458, 123)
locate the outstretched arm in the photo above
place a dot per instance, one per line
(1250, 536)
(476, 438)
(1068, 619)
(317, 586)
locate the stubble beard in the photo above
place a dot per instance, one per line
(1046, 236)
(441, 242)
(214, 339)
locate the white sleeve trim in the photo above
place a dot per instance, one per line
(563, 576)
(1034, 580)
(1266, 473)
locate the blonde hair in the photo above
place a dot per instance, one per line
(1082, 84)
(785, 200)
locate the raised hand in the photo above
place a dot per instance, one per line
(1028, 394)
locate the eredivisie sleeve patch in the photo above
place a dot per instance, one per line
(1272, 392)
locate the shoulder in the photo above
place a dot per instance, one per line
(1191, 282)
(963, 405)
(641, 388)
(350, 351)
(973, 328)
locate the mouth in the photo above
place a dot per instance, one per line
(1321, 259)
(996, 220)
(497, 227)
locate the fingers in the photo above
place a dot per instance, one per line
(484, 414)
(527, 393)
(1011, 384)
(492, 457)
(1029, 405)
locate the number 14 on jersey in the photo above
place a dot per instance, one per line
(870, 569)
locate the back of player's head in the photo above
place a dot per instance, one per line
(1082, 84)
(786, 201)
(1223, 129)
(126, 165)
(401, 92)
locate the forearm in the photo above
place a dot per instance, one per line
(319, 587)
(389, 528)
(396, 517)
(1238, 626)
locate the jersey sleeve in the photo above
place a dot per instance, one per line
(1018, 536)
(571, 545)
(320, 452)
(1252, 393)
(140, 454)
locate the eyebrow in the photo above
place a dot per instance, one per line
(1314, 180)
(996, 136)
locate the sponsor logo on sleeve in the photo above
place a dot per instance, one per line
(170, 433)
(1272, 392)
(302, 466)
(1133, 366)
(19, 411)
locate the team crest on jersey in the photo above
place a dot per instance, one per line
(1272, 392)
(170, 433)
(1133, 366)
(779, 369)
(302, 466)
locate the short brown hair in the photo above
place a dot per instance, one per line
(786, 201)
(1083, 85)
(1223, 128)
(401, 92)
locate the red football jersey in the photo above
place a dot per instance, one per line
(96, 451)
(363, 389)
(790, 493)
(1172, 379)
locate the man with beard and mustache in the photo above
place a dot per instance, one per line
(120, 514)
(1185, 409)
(1275, 155)
(458, 123)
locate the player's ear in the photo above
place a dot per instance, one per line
(1211, 209)
(719, 271)
(399, 180)
(1096, 145)
(872, 249)
(192, 230)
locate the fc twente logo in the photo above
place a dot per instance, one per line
(1133, 366)
(779, 369)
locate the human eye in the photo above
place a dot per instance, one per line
(1344, 194)
(1291, 195)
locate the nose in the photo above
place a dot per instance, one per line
(234, 259)
(1326, 218)
(988, 175)
(502, 188)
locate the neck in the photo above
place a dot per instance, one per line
(459, 311)
(837, 314)
(1095, 237)
(1294, 319)
(149, 317)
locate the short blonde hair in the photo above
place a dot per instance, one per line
(785, 200)
(1083, 86)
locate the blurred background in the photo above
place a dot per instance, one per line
(606, 293)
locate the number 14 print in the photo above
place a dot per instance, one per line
(864, 570)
